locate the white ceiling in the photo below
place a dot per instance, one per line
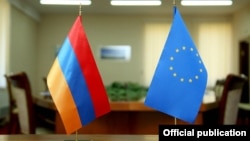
(104, 7)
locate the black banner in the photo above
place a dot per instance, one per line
(201, 132)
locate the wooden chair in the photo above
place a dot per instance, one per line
(244, 106)
(21, 97)
(228, 105)
(10, 124)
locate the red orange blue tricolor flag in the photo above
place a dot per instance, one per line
(75, 83)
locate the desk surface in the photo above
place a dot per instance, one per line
(80, 137)
(126, 118)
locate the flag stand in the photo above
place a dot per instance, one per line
(76, 138)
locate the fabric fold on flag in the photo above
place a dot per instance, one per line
(75, 83)
(180, 78)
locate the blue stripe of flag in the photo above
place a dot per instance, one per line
(76, 82)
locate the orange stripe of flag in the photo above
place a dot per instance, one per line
(61, 93)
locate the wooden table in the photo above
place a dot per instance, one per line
(129, 118)
(91, 137)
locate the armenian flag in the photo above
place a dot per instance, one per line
(75, 83)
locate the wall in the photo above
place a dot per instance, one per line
(23, 48)
(242, 29)
(108, 30)
(101, 30)
(42, 38)
(5, 9)
(20, 48)
(242, 24)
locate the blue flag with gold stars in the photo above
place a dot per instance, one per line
(180, 78)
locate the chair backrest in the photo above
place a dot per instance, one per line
(228, 105)
(20, 94)
(218, 88)
(245, 98)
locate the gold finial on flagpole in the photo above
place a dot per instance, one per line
(80, 10)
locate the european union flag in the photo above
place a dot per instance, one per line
(180, 78)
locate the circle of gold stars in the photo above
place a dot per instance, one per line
(182, 78)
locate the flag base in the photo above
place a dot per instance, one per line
(78, 140)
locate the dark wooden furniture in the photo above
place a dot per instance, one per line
(244, 113)
(91, 137)
(129, 118)
(244, 106)
(10, 124)
(22, 100)
(228, 105)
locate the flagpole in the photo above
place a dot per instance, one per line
(76, 138)
(80, 10)
(175, 120)
(76, 135)
(80, 14)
